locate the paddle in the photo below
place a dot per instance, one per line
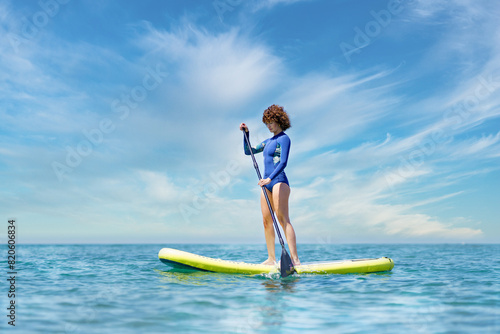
(286, 265)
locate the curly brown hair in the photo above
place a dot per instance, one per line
(277, 114)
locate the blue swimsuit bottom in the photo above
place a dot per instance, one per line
(281, 178)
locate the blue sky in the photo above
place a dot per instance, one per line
(119, 119)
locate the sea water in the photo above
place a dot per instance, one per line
(445, 288)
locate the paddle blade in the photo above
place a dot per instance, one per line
(286, 266)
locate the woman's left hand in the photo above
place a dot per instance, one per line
(264, 182)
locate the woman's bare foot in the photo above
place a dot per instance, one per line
(269, 262)
(296, 262)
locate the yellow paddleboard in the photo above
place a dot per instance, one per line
(180, 258)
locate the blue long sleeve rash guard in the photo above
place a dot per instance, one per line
(276, 150)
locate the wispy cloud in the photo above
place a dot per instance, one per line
(221, 70)
(268, 4)
(362, 204)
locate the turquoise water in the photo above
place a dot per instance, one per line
(126, 289)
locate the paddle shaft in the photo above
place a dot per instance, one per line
(264, 190)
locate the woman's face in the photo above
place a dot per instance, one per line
(272, 126)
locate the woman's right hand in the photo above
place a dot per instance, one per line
(243, 127)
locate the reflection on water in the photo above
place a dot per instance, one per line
(191, 277)
(176, 276)
(271, 313)
(271, 282)
(252, 302)
(281, 284)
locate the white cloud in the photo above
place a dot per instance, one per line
(268, 4)
(159, 187)
(477, 146)
(329, 110)
(362, 205)
(221, 70)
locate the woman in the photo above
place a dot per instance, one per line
(276, 151)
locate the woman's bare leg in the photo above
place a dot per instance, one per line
(268, 227)
(281, 194)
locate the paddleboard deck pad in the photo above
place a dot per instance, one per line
(181, 259)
